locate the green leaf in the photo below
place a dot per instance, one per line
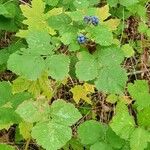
(126, 146)
(128, 2)
(113, 3)
(9, 9)
(39, 43)
(143, 117)
(86, 68)
(114, 140)
(18, 98)
(101, 35)
(76, 15)
(5, 93)
(8, 24)
(75, 144)
(8, 117)
(134, 10)
(109, 75)
(59, 22)
(64, 113)
(113, 54)
(74, 46)
(140, 92)
(11, 17)
(67, 38)
(101, 145)
(122, 123)
(81, 4)
(6, 147)
(33, 111)
(90, 132)
(4, 55)
(60, 69)
(139, 139)
(18, 63)
(93, 2)
(51, 2)
(111, 78)
(6, 52)
(4, 11)
(50, 135)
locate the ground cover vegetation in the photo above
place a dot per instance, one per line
(74, 75)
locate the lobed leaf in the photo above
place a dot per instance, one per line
(64, 113)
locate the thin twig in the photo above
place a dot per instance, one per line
(25, 3)
(137, 72)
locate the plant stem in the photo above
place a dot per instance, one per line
(123, 25)
(27, 144)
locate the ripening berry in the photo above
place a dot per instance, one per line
(87, 19)
(81, 39)
(95, 20)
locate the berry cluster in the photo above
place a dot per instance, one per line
(91, 19)
(87, 19)
(81, 39)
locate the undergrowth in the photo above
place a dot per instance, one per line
(74, 75)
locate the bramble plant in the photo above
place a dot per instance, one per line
(79, 74)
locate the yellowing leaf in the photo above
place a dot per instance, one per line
(112, 98)
(64, 82)
(89, 87)
(35, 18)
(20, 85)
(79, 92)
(34, 88)
(126, 100)
(45, 86)
(112, 24)
(128, 50)
(103, 13)
(25, 129)
(41, 86)
(116, 42)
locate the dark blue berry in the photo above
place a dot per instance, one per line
(87, 19)
(95, 20)
(81, 39)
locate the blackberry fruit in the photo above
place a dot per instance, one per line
(87, 19)
(95, 20)
(81, 39)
